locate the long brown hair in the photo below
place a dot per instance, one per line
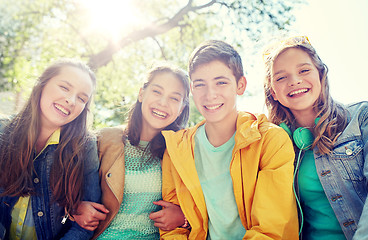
(18, 139)
(333, 116)
(157, 145)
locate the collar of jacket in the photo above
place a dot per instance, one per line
(248, 131)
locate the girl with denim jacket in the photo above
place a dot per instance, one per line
(330, 139)
(131, 162)
(48, 160)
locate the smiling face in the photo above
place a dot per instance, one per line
(295, 81)
(162, 103)
(64, 97)
(215, 90)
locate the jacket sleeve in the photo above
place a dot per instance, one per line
(169, 195)
(273, 210)
(91, 189)
(2, 231)
(362, 230)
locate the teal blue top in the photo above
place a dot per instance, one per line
(320, 221)
(213, 167)
(142, 187)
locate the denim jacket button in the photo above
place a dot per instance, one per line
(40, 214)
(348, 152)
(36, 180)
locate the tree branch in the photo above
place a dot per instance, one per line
(105, 56)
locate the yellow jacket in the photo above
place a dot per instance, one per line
(262, 173)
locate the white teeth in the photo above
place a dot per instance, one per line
(213, 107)
(159, 113)
(298, 91)
(61, 109)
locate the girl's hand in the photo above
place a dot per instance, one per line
(169, 218)
(89, 215)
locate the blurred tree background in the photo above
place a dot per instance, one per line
(121, 39)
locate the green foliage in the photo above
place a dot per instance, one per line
(34, 33)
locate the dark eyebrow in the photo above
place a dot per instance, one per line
(178, 93)
(216, 78)
(276, 73)
(197, 80)
(302, 64)
(68, 83)
(299, 65)
(159, 86)
(221, 77)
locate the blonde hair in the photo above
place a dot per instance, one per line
(333, 116)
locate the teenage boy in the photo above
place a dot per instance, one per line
(232, 173)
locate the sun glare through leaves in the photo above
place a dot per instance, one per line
(112, 17)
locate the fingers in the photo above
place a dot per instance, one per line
(100, 207)
(162, 226)
(86, 224)
(99, 216)
(163, 203)
(156, 215)
(90, 227)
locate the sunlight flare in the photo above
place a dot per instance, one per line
(112, 17)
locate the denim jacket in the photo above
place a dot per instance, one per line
(343, 173)
(47, 214)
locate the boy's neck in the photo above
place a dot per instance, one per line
(220, 133)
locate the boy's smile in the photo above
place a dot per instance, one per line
(215, 90)
(213, 107)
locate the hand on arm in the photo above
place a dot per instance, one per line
(169, 218)
(89, 214)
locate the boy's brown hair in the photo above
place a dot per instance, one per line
(215, 50)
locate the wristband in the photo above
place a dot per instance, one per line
(186, 224)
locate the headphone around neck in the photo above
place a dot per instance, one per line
(302, 137)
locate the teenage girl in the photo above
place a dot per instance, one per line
(48, 160)
(131, 162)
(331, 141)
